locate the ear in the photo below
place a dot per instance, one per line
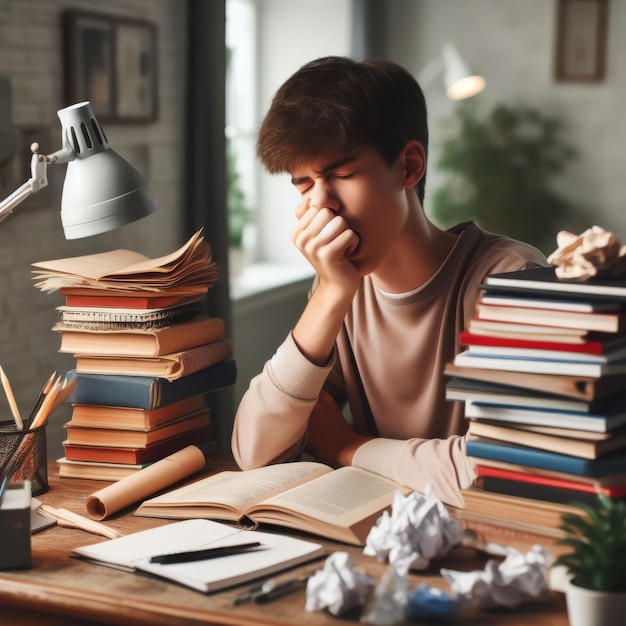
(413, 158)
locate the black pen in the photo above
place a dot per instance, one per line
(278, 590)
(201, 555)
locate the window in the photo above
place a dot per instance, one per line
(241, 98)
(268, 40)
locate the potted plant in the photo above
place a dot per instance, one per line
(596, 563)
(502, 170)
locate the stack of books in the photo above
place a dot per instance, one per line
(543, 378)
(146, 356)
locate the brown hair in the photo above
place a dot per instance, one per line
(334, 104)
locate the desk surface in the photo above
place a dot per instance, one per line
(60, 590)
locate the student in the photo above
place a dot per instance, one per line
(392, 291)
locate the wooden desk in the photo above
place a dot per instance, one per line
(60, 590)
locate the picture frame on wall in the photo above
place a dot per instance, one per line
(111, 62)
(581, 41)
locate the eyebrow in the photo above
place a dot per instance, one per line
(327, 168)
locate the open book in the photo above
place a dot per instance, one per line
(340, 504)
(133, 553)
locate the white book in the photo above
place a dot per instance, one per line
(540, 366)
(581, 306)
(544, 417)
(526, 331)
(556, 355)
(133, 553)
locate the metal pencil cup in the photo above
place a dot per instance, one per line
(25, 454)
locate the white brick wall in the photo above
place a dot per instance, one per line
(31, 58)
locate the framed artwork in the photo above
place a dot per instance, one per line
(112, 62)
(581, 41)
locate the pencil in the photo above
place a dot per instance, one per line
(44, 410)
(11, 398)
(40, 399)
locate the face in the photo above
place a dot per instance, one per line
(369, 195)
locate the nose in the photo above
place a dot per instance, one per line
(323, 197)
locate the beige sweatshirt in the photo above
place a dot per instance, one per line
(400, 345)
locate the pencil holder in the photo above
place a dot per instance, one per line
(25, 454)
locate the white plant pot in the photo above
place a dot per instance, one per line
(586, 607)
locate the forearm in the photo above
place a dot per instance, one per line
(417, 463)
(330, 438)
(316, 331)
(272, 418)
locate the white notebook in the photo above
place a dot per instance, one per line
(133, 552)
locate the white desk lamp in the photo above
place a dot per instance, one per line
(101, 192)
(460, 82)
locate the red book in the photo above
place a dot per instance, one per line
(129, 300)
(612, 491)
(587, 347)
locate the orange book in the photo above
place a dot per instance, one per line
(96, 416)
(139, 455)
(124, 438)
(142, 342)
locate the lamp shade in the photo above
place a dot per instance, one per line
(459, 80)
(102, 191)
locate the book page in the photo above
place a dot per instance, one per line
(342, 497)
(238, 490)
(92, 265)
(168, 262)
(177, 537)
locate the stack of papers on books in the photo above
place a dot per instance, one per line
(189, 269)
(543, 378)
(146, 354)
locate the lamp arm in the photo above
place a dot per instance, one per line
(38, 180)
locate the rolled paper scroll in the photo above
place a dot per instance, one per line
(145, 483)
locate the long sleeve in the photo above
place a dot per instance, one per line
(418, 463)
(272, 419)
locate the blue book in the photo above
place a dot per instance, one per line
(614, 463)
(149, 392)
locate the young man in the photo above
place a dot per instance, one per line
(392, 291)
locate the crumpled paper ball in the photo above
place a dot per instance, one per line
(507, 583)
(339, 586)
(592, 253)
(418, 529)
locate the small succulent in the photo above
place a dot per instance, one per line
(597, 539)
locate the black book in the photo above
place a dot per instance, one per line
(543, 281)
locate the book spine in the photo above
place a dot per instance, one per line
(527, 456)
(590, 347)
(613, 463)
(529, 365)
(145, 392)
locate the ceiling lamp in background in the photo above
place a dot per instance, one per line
(101, 191)
(459, 80)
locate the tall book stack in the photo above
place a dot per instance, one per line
(543, 378)
(146, 355)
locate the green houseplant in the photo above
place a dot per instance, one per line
(501, 169)
(596, 563)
